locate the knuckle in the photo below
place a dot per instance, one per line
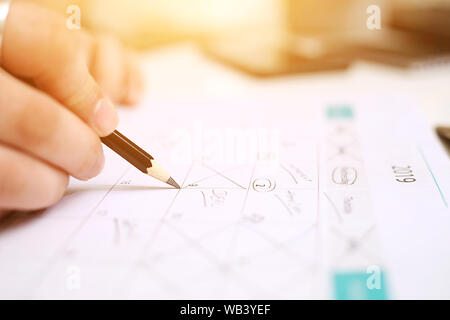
(36, 122)
(83, 94)
(20, 190)
(10, 183)
(55, 189)
(108, 41)
(64, 43)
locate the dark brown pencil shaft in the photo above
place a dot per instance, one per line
(128, 150)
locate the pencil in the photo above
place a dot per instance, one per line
(444, 133)
(137, 157)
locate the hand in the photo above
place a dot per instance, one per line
(50, 128)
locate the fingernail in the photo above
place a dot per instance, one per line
(105, 118)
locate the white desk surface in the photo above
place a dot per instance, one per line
(184, 71)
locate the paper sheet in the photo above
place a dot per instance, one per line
(282, 198)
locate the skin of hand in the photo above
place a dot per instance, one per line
(56, 91)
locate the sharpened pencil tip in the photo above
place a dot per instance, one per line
(173, 183)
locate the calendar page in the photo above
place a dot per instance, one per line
(281, 198)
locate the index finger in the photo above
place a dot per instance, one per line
(33, 122)
(37, 45)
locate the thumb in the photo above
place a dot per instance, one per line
(38, 46)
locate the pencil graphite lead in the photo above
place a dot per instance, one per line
(173, 183)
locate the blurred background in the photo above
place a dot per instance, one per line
(266, 39)
(273, 32)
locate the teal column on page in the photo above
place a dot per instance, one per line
(359, 286)
(343, 111)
